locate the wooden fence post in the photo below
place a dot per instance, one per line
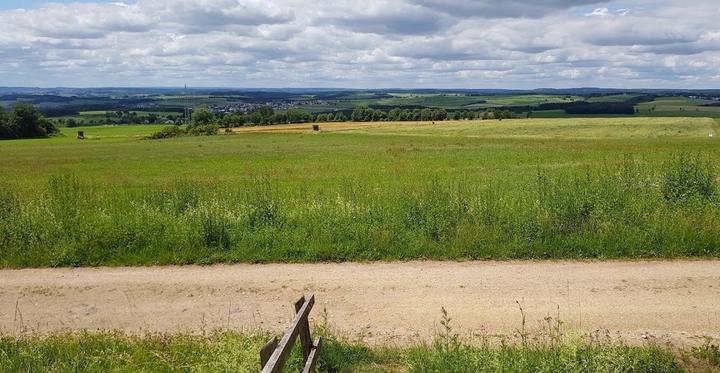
(274, 354)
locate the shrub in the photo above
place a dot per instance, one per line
(264, 205)
(204, 130)
(9, 203)
(167, 132)
(688, 177)
(215, 230)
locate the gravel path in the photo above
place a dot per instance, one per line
(396, 303)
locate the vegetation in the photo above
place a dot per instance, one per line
(708, 353)
(168, 132)
(366, 114)
(89, 107)
(229, 351)
(462, 190)
(24, 121)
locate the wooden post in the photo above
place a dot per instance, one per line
(313, 358)
(267, 351)
(281, 353)
(305, 342)
(274, 354)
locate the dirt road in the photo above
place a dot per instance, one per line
(677, 301)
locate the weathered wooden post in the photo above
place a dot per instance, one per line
(274, 354)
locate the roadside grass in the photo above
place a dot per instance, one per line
(708, 354)
(232, 351)
(592, 188)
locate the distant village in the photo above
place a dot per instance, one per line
(246, 107)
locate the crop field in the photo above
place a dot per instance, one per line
(678, 106)
(542, 188)
(451, 101)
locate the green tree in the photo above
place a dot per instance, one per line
(24, 121)
(232, 120)
(202, 115)
(340, 117)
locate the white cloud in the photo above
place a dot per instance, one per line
(601, 12)
(373, 43)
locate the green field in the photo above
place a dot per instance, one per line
(677, 106)
(450, 100)
(613, 98)
(107, 134)
(540, 188)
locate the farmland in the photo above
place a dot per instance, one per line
(559, 188)
(401, 186)
(539, 188)
(132, 106)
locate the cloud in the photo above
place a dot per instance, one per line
(503, 9)
(374, 43)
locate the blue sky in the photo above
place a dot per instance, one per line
(368, 44)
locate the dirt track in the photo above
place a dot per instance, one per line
(676, 301)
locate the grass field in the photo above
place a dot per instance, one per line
(450, 101)
(677, 106)
(541, 188)
(229, 351)
(613, 98)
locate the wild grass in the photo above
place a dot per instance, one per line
(232, 351)
(551, 348)
(708, 353)
(590, 188)
(554, 351)
(620, 210)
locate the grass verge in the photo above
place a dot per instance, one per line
(230, 351)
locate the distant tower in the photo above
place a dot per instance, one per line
(186, 110)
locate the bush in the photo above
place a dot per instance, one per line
(167, 132)
(688, 177)
(204, 130)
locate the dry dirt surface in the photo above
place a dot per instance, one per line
(379, 303)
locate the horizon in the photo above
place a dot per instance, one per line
(428, 88)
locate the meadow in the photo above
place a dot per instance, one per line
(537, 188)
(678, 106)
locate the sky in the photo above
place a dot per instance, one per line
(520, 44)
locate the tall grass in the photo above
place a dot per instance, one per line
(553, 352)
(230, 351)
(620, 210)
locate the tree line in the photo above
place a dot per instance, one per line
(23, 121)
(367, 114)
(203, 116)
